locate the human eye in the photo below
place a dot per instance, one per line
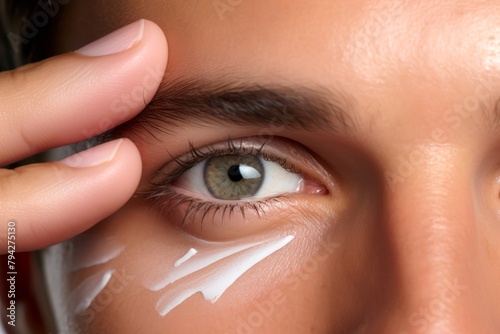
(242, 180)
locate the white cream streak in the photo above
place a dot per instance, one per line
(88, 289)
(85, 256)
(198, 263)
(215, 282)
(190, 253)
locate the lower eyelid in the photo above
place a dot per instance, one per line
(213, 222)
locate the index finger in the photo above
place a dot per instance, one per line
(73, 97)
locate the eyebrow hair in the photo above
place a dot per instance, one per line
(198, 102)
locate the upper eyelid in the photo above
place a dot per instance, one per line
(269, 149)
(303, 157)
(196, 155)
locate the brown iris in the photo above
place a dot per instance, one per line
(233, 177)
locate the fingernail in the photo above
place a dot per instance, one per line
(93, 156)
(117, 41)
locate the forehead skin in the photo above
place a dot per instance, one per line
(406, 63)
(403, 61)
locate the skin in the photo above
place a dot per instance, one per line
(412, 208)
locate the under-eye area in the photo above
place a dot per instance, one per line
(236, 181)
(211, 268)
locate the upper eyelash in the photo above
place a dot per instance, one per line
(198, 155)
(161, 195)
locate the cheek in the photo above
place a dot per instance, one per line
(135, 269)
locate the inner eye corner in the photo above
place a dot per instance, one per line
(314, 186)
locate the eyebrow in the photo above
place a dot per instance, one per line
(198, 102)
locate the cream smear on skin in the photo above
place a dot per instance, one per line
(224, 264)
(84, 294)
(190, 253)
(84, 257)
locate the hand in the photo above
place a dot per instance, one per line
(63, 100)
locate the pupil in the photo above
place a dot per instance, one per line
(234, 173)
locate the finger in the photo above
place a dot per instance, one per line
(54, 201)
(78, 95)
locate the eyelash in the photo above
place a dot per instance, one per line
(163, 196)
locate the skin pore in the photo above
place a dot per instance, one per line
(396, 228)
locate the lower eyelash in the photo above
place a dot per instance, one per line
(169, 200)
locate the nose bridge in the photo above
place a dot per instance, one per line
(431, 213)
(432, 227)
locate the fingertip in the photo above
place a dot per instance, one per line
(94, 156)
(155, 49)
(156, 34)
(129, 162)
(88, 96)
(60, 200)
(121, 174)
